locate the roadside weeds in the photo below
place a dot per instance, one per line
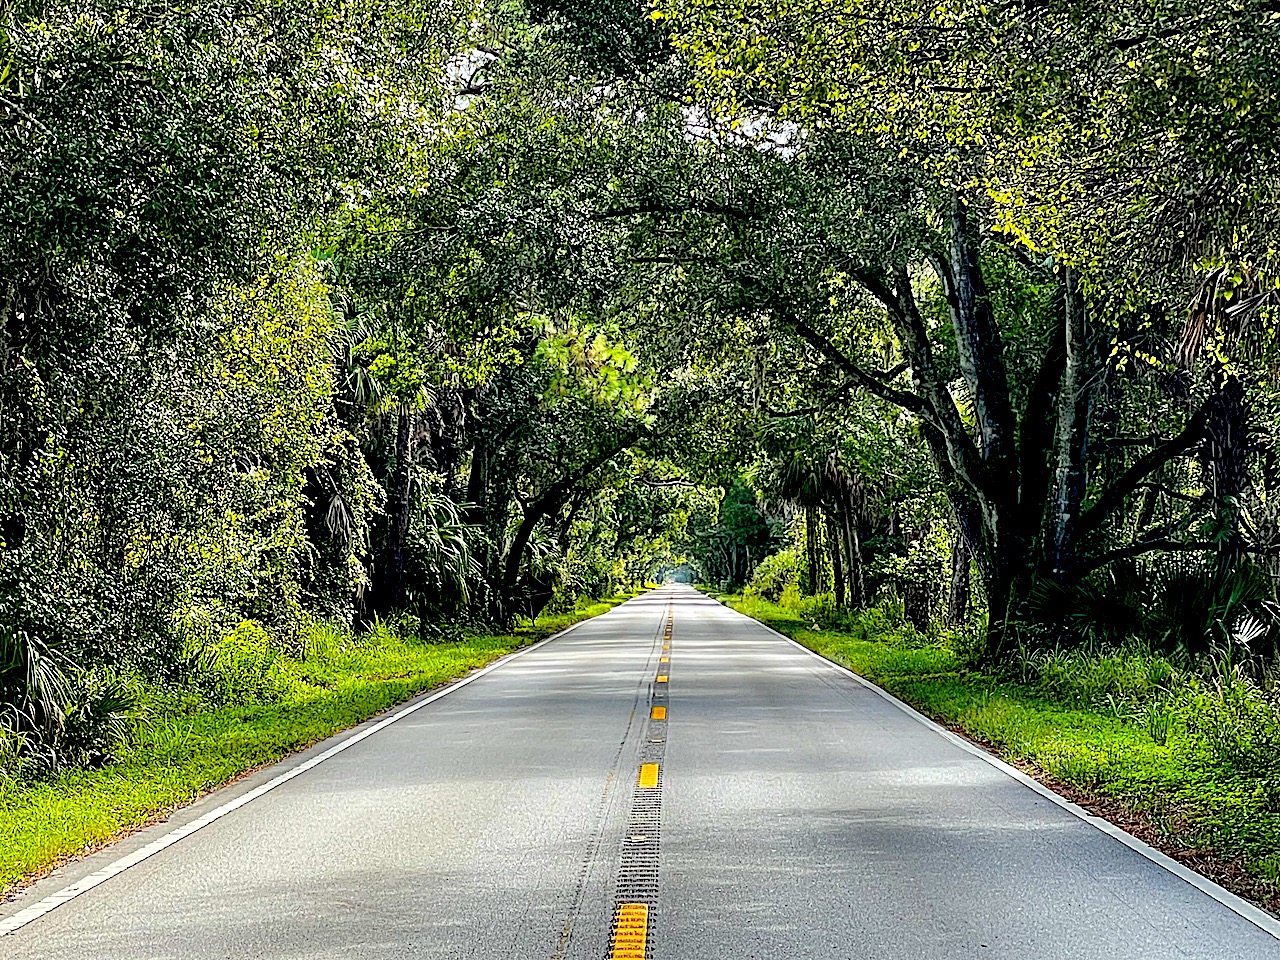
(192, 748)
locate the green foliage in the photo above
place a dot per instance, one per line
(775, 574)
(427, 316)
(168, 331)
(729, 539)
(242, 666)
(1188, 609)
(1234, 722)
(1116, 682)
(1036, 108)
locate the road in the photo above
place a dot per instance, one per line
(546, 810)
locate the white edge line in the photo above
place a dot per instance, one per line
(1243, 908)
(54, 900)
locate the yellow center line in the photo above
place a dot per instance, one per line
(662, 678)
(658, 713)
(666, 646)
(664, 659)
(631, 933)
(648, 775)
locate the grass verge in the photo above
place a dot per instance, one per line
(187, 747)
(1145, 758)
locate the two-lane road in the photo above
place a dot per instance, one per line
(740, 798)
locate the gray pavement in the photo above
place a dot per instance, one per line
(801, 816)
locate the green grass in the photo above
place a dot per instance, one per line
(187, 748)
(1166, 758)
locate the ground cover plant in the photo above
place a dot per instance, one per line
(251, 709)
(1188, 759)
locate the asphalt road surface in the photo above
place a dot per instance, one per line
(587, 799)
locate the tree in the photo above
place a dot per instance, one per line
(989, 132)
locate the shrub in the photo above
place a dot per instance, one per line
(1119, 682)
(820, 609)
(241, 667)
(321, 640)
(775, 574)
(98, 718)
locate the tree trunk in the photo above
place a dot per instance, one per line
(916, 590)
(1017, 501)
(1075, 406)
(853, 554)
(915, 604)
(550, 501)
(1225, 459)
(811, 548)
(393, 578)
(834, 547)
(958, 601)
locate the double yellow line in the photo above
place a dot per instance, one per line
(631, 926)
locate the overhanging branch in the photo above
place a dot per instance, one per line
(884, 376)
(1138, 548)
(869, 382)
(655, 207)
(1145, 465)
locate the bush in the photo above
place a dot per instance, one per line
(242, 666)
(774, 574)
(98, 719)
(321, 640)
(53, 712)
(1118, 682)
(820, 610)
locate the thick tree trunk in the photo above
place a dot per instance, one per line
(1018, 504)
(1075, 406)
(979, 346)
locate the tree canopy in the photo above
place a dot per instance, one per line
(451, 313)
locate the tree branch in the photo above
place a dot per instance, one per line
(1172, 494)
(858, 376)
(1149, 462)
(1147, 441)
(883, 376)
(16, 109)
(551, 499)
(1138, 548)
(717, 209)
